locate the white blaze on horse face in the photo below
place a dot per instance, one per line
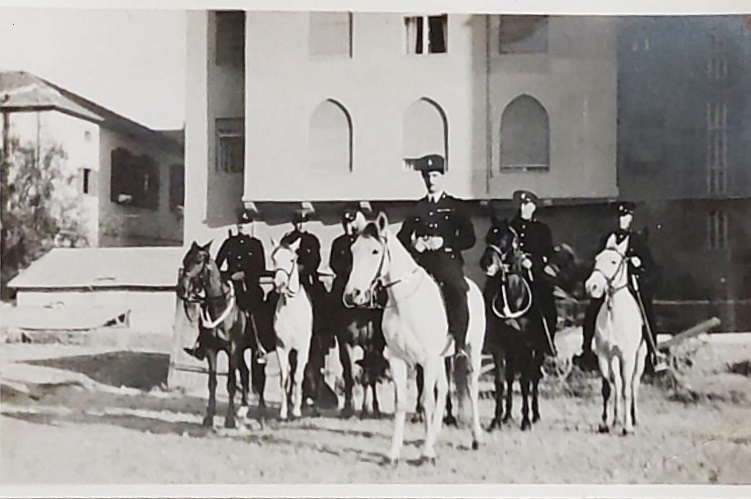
(607, 265)
(367, 258)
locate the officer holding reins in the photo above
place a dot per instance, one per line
(536, 244)
(436, 232)
(244, 262)
(642, 283)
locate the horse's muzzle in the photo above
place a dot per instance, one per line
(594, 287)
(356, 297)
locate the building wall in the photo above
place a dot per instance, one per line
(150, 311)
(123, 225)
(79, 140)
(575, 81)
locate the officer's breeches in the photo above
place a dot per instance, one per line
(450, 275)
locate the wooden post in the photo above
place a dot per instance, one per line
(696, 330)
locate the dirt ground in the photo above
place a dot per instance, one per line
(126, 428)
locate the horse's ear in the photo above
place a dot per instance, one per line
(207, 246)
(194, 246)
(382, 223)
(622, 247)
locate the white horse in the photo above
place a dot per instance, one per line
(620, 347)
(415, 328)
(293, 325)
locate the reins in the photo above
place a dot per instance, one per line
(612, 290)
(204, 301)
(507, 314)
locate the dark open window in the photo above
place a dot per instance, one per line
(427, 34)
(135, 179)
(176, 186)
(230, 38)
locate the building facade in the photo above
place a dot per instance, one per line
(685, 123)
(326, 108)
(127, 180)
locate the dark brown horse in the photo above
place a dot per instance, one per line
(223, 327)
(515, 335)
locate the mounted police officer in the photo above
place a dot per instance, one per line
(245, 264)
(340, 256)
(536, 244)
(643, 274)
(436, 232)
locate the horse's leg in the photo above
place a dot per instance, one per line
(510, 370)
(283, 360)
(417, 417)
(374, 394)
(433, 415)
(345, 357)
(539, 359)
(615, 372)
(208, 421)
(629, 367)
(258, 373)
(640, 359)
(449, 419)
(399, 375)
(526, 382)
(245, 383)
(499, 383)
(474, 395)
(603, 428)
(298, 375)
(229, 420)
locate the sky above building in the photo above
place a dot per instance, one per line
(129, 61)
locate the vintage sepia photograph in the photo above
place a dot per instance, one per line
(256, 247)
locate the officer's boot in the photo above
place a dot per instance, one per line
(657, 359)
(587, 361)
(196, 350)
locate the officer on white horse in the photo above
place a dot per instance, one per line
(642, 276)
(436, 232)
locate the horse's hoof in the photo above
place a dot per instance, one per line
(208, 422)
(603, 428)
(450, 420)
(430, 460)
(393, 462)
(535, 418)
(627, 431)
(494, 424)
(507, 419)
(230, 423)
(416, 418)
(526, 425)
(475, 445)
(348, 412)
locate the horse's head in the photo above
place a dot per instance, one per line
(191, 282)
(284, 266)
(369, 262)
(610, 271)
(502, 248)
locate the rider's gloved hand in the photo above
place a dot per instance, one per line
(421, 245)
(526, 263)
(436, 243)
(636, 261)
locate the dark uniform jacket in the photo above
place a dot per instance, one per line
(308, 254)
(340, 258)
(535, 240)
(447, 218)
(242, 253)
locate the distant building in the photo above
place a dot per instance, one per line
(684, 149)
(128, 178)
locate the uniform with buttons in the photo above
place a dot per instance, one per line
(444, 219)
(243, 253)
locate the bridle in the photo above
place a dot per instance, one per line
(499, 258)
(610, 289)
(377, 284)
(288, 292)
(198, 294)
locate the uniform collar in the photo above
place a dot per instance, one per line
(435, 198)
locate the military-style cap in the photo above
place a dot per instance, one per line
(523, 196)
(429, 163)
(245, 216)
(626, 208)
(349, 215)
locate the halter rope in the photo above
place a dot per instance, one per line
(507, 314)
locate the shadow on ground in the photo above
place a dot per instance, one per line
(140, 370)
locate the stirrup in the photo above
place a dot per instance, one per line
(659, 364)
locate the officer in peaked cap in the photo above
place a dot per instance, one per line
(241, 257)
(340, 256)
(536, 243)
(643, 276)
(436, 232)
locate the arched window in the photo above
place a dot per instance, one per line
(425, 130)
(331, 138)
(525, 135)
